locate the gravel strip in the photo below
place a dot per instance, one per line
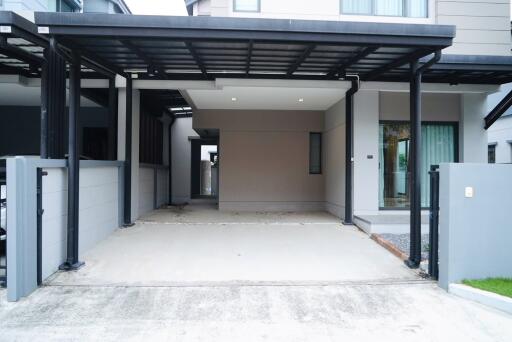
(401, 241)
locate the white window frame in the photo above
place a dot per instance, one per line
(258, 10)
(404, 15)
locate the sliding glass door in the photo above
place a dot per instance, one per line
(439, 145)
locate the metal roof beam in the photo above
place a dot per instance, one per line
(365, 52)
(395, 64)
(198, 60)
(144, 57)
(499, 110)
(249, 57)
(305, 54)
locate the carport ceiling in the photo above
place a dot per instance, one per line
(209, 47)
(266, 98)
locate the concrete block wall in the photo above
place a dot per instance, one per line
(99, 211)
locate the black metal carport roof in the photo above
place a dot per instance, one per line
(21, 47)
(209, 47)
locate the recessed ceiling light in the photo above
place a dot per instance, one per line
(234, 99)
(301, 100)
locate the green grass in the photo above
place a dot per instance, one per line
(501, 286)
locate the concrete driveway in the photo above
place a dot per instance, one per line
(382, 312)
(201, 246)
(200, 275)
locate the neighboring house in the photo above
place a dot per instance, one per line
(85, 6)
(22, 109)
(500, 134)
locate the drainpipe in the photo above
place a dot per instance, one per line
(415, 159)
(173, 119)
(349, 144)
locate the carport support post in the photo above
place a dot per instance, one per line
(112, 121)
(415, 159)
(415, 165)
(128, 155)
(72, 262)
(349, 148)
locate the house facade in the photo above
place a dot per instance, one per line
(332, 106)
(452, 129)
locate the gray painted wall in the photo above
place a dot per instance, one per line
(475, 233)
(99, 211)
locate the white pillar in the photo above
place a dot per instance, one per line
(472, 135)
(366, 152)
(121, 142)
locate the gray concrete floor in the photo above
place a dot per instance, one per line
(380, 312)
(206, 247)
(241, 277)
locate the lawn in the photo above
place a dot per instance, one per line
(502, 286)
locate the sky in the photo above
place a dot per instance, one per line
(159, 7)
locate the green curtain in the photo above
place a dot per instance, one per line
(438, 146)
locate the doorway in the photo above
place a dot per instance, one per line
(204, 168)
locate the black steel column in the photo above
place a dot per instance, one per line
(72, 262)
(53, 103)
(415, 167)
(349, 150)
(128, 155)
(44, 153)
(112, 119)
(170, 160)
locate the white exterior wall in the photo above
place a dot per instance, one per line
(181, 157)
(146, 190)
(98, 216)
(371, 107)
(333, 146)
(264, 159)
(121, 141)
(483, 26)
(472, 135)
(366, 143)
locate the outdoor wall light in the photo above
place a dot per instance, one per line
(234, 99)
(301, 100)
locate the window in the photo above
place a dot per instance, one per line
(395, 8)
(491, 153)
(67, 6)
(315, 153)
(439, 145)
(246, 5)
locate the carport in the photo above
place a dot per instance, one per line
(172, 53)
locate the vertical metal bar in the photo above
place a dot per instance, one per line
(72, 262)
(128, 156)
(112, 119)
(433, 263)
(39, 225)
(155, 187)
(170, 160)
(44, 107)
(415, 162)
(349, 151)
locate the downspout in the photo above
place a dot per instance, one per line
(349, 147)
(173, 119)
(415, 159)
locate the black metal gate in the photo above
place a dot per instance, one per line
(3, 223)
(433, 260)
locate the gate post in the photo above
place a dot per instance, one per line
(433, 259)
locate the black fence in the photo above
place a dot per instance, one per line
(433, 260)
(3, 223)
